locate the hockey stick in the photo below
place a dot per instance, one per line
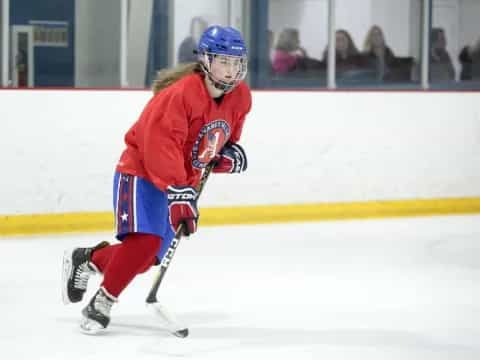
(151, 299)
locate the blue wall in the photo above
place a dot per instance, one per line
(54, 66)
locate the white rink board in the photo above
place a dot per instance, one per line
(59, 148)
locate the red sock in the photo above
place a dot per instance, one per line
(136, 254)
(101, 257)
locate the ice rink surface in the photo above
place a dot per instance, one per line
(376, 290)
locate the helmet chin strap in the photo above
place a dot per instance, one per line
(215, 89)
(216, 84)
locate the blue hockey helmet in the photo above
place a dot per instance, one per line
(228, 43)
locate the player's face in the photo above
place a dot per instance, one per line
(226, 68)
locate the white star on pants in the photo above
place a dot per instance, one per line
(124, 216)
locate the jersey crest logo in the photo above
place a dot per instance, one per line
(210, 140)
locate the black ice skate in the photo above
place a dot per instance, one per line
(96, 316)
(77, 269)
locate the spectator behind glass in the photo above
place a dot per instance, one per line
(441, 67)
(470, 60)
(287, 52)
(351, 66)
(376, 49)
(345, 49)
(186, 50)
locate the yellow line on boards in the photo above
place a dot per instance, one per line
(103, 221)
(55, 223)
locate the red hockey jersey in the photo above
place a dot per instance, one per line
(180, 130)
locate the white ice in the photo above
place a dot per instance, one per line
(376, 290)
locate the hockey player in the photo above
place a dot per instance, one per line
(195, 116)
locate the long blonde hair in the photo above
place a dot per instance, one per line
(288, 40)
(167, 77)
(368, 44)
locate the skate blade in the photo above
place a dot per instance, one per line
(91, 327)
(66, 274)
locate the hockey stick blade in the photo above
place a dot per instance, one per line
(172, 325)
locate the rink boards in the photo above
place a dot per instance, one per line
(313, 155)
